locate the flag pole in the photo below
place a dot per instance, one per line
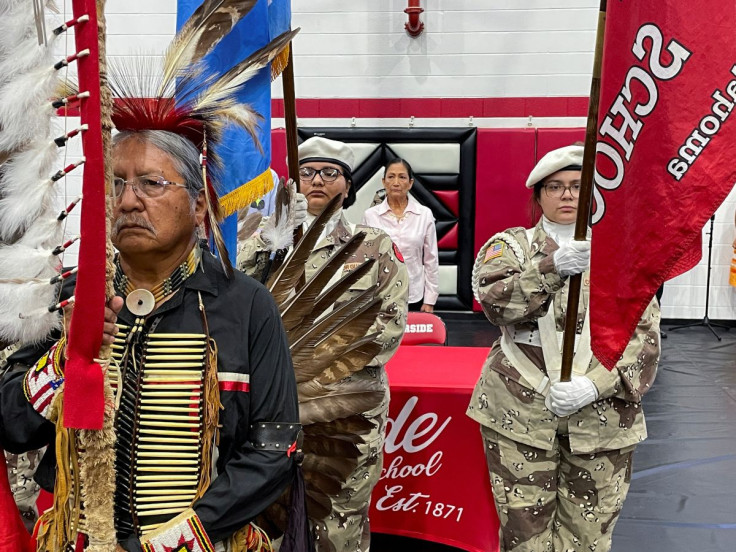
(292, 155)
(586, 191)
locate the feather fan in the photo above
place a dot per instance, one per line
(284, 280)
(333, 320)
(303, 301)
(323, 303)
(326, 403)
(328, 328)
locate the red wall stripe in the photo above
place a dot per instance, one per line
(397, 108)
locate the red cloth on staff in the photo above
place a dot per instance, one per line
(665, 158)
(13, 534)
(84, 401)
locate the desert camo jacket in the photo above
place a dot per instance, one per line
(516, 295)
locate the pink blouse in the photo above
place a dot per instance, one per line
(415, 236)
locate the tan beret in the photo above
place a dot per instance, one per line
(569, 157)
(323, 149)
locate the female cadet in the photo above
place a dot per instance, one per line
(558, 453)
(325, 168)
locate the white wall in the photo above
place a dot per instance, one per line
(470, 48)
(476, 48)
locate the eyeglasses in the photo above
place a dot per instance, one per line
(556, 191)
(327, 174)
(144, 187)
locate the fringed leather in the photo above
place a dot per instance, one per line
(250, 538)
(58, 526)
(211, 409)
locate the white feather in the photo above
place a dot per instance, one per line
(23, 54)
(25, 109)
(45, 232)
(30, 300)
(21, 261)
(25, 198)
(36, 162)
(281, 235)
(16, 23)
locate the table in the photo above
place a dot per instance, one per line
(434, 484)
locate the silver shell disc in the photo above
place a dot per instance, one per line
(140, 302)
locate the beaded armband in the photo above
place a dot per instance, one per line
(184, 532)
(44, 379)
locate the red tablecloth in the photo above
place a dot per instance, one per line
(434, 485)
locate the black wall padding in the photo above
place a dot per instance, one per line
(424, 184)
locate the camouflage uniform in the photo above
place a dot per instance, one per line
(347, 528)
(21, 468)
(558, 483)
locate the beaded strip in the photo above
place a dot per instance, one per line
(169, 285)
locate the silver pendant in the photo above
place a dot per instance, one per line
(140, 302)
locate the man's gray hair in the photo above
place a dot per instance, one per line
(184, 155)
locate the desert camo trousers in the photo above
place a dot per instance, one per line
(553, 500)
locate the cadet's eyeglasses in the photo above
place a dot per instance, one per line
(556, 191)
(327, 174)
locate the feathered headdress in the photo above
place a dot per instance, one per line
(187, 99)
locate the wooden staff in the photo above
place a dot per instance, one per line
(292, 154)
(586, 190)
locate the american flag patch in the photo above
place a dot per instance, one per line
(494, 250)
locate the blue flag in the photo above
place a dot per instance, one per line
(245, 166)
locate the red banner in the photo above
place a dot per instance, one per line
(434, 484)
(665, 157)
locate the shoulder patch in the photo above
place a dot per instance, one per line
(496, 249)
(398, 253)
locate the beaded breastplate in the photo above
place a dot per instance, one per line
(165, 434)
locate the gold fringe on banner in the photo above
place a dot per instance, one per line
(280, 62)
(247, 193)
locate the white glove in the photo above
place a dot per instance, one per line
(567, 397)
(572, 257)
(299, 211)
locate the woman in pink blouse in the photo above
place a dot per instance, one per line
(411, 227)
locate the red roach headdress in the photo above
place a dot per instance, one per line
(187, 99)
